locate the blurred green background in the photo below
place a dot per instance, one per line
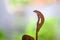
(50, 29)
(47, 31)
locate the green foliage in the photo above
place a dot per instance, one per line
(20, 2)
(2, 35)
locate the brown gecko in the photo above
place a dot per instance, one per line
(39, 25)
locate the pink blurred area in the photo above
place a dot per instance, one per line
(43, 2)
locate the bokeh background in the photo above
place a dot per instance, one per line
(17, 19)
